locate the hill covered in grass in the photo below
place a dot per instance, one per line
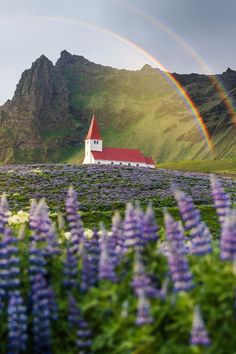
(48, 117)
(227, 167)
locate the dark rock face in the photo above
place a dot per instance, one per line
(39, 107)
(52, 105)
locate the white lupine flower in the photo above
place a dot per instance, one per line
(20, 217)
(67, 235)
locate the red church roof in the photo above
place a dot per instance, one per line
(149, 161)
(117, 154)
(94, 132)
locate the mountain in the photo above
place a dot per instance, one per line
(50, 112)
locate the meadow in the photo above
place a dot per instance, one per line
(223, 167)
(129, 260)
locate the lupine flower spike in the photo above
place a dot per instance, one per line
(141, 281)
(84, 337)
(149, 225)
(144, 315)
(198, 231)
(228, 237)
(175, 234)
(17, 323)
(41, 315)
(3, 212)
(220, 198)
(117, 236)
(199, 334)
(106, 266)
(74, 220)
(130, 227)
(178, 264)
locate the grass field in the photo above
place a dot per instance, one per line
(227, 167)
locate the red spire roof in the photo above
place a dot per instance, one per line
(94, 132)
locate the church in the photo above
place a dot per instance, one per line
(95, 153)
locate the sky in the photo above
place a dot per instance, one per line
(181, 36)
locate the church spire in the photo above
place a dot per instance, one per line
(94, 132)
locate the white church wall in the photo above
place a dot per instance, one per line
(93, 145)
(121, 163)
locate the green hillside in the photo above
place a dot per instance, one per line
(227, 167)
(49, 115)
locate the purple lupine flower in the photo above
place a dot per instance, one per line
(74, 220)
(174, 232)
(40, 222)
(9, 265)
(70, 270)
(106, 266)
(76, 321)
(198, 231)
(190, 214)
(130, 227)
(199, 335)
(180, 273)
(144, 315)
(84, 337)
(37, 262)
(53, 305)
(32, 221)
(41, 315)
(43, 231)
(117, 233)
(85, 265)
(201, 244)
(149, 225)
(141, 281)
(73, 311)
(140, 240)
(220, 198)
(94, 251)
(3, 212)
(228, 237)
(52, 242)
(17, 323)
(178, 264)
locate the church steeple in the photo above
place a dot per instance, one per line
(94, 132)
(93, 140)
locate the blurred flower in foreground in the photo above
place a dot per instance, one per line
(221, 199)
(228, 237)
(144, 315)
(199, 335)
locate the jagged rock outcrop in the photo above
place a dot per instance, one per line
(40, 107)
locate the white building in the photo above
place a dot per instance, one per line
(95, 153)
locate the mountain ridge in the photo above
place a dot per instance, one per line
(48, 116)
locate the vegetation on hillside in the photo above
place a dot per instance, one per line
(227, 167)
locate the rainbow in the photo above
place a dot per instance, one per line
(183, 94)
(160, 25)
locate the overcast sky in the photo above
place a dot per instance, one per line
(184, 35)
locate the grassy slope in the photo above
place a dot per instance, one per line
(142, 109)
(137, 109)
(217, 166)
